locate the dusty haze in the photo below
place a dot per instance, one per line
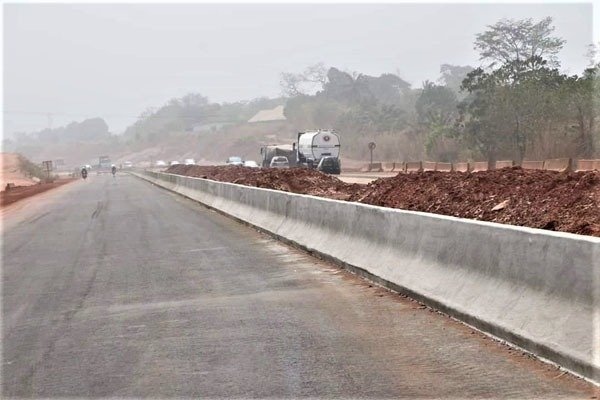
(114, 61)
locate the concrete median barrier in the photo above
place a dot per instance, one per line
(478, 166)
(532, 165)
(504, 164)
(461, 167)
(429, 166)
(537, 289)
(389, 166)
(559, 164)
(443, 167)
(588, 165)
(414, 166)
(376, 167)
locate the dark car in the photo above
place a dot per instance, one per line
(330, 165)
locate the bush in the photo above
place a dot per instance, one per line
(30, 169)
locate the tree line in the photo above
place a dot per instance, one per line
(516, 105)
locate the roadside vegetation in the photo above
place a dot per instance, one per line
(31, 170)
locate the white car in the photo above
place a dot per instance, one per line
(235, 161)
(174, 163)
(250, 164)
(161, 163)
(127, 165)
(189, 161)
(279, 162)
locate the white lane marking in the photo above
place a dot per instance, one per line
(205, 249)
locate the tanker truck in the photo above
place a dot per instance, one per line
(314, 145)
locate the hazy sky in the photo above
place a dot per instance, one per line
(114, 61)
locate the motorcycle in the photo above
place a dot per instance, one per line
(114, 171)
(84, 173)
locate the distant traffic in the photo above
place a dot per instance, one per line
(316, 149)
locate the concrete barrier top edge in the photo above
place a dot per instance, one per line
(495, 225)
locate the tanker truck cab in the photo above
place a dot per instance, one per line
(314, 145)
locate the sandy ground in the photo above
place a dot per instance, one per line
(10, 173)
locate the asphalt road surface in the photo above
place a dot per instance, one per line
(113, 287)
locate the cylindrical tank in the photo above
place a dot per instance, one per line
(314, 145)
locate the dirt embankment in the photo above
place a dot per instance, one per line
(295, 180)
(20, 178)
(12, 171)
(568, 202)
(22, 192)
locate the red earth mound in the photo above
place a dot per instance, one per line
(568, 202)
(17, 193)
(295, 180)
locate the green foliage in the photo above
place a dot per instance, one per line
(30, 169)
(521, 103)
(356, 105)
(517, 40)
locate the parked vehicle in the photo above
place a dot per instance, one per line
(314, 145)
(279, 162)
(235, 161)
(174, 163)
(330, 165)
(251, 164)
(189, 161)
(160, 163)
(127, 165)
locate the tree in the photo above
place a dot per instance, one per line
(453, 75)
(513, 96)
(510, 40)
(436, 110)
(291, 84)
(503, 112)
(312, 78)
(582, 100)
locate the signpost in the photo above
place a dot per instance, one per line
(372, 146)
(48, 167)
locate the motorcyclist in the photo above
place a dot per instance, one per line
(113, 170)
(84, 172)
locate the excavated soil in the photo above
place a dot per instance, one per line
(295, 180)
(17, 193)
(567, 202)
